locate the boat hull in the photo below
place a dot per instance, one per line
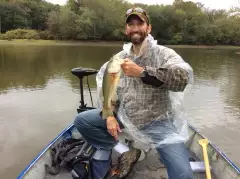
(221, 166)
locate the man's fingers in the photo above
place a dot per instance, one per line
(113, 128)
(124, 64)
(112, 131)
(125, 67)
(115, 134)
(119, 129)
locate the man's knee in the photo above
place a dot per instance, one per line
(87, 120)
(79, 122)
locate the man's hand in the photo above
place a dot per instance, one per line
(131, 69)
(113, 127)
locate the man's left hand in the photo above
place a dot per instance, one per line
(131, 69)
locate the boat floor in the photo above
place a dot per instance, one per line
(149, 168)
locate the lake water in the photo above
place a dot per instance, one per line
(39, 96)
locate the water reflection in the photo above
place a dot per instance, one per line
(33, 66)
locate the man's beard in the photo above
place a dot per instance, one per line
(137, 38)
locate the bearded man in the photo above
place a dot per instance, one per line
(150, 71)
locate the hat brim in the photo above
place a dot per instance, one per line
(141, 16)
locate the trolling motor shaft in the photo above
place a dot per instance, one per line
(81, 73)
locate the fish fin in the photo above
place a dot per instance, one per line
(106, 113)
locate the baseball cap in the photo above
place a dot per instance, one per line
(138, 12)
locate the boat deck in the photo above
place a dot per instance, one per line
(149, 168)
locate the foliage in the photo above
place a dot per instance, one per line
(183, 22)
(20, 34)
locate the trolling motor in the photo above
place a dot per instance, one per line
(81, 73)
(94, 159)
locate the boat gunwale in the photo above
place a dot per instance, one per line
(218, 150)
(43, 151)
(72, 125)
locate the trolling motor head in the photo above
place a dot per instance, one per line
(81, 73)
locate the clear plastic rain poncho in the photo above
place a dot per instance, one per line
(153, 116)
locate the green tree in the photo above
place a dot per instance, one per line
(53, 23)
(180, 23)
(86, 24)
(73, 5)
(68, 24)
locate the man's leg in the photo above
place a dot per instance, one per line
(176, 159)
(94, 130)
(174, 156)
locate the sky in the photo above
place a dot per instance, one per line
(213, 4)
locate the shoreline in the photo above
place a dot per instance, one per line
(60, 42)
(103, 43)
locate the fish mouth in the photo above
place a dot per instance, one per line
(113, 74)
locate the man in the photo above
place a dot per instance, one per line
(150, 73)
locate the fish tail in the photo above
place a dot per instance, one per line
(106, 113)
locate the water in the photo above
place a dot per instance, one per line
(39, 96)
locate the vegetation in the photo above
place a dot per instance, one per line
(179, 23)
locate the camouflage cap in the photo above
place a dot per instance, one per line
(138, 12)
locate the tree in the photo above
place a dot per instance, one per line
(53, 22)
(180, 23)
(73, 5)
(68, 23)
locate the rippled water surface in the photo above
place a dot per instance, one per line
(39, 97)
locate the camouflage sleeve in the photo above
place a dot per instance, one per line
(174, 77)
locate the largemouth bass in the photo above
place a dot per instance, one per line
(111, 78)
